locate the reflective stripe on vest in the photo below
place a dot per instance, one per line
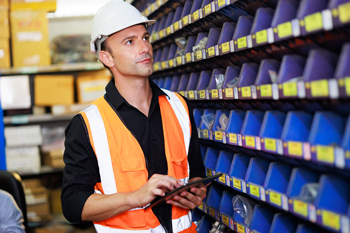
(112, 142)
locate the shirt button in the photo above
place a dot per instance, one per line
(154, 142)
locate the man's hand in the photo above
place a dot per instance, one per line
(190, 200)
(157, 185)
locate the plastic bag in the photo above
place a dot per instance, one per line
(208, 120)
(219, 79)
(201, 45)
(243, 207)
(273, 76)
(308, 193)
(223, 123)
(233, 82)
(181, 43)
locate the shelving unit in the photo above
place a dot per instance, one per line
(287, 114)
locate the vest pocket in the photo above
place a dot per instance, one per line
(134, 218)
(133, 163)
(180, 167)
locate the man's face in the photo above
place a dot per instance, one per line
(132, 51)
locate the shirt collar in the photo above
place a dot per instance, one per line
(116, 99)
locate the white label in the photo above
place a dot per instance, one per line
(333, 89)
(199, 132)
(296, 27)
(270, 37)
(195, 95)
(29, 36)
(232, 46)
(262, 194)
(220, 94)
(224, 138)
(204, 54)
(275, 94)
(93, 89)
(235, 92)
(250, 41)
(240, 140)
(257, 143)
(301, 89)
(307, 151)
(312, 213)
(244, 186)
(327, 20)
(345, 224)
(216, 50)
(207, 94)
(279, 147)
(284, 202)
(339, 157)
(253, 90)
(2, 53)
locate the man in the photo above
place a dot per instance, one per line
(133, 144)
(11, 219)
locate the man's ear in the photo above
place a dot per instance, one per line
(106, 58)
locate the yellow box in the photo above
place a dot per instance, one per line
(47, 5)
(4, 4)
(5, 53)
(30, 39)
(4, 24)
(55, 201)
(53, 89)
(91, 85)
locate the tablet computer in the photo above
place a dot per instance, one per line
(162, 199)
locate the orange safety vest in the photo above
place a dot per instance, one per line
(122, 163)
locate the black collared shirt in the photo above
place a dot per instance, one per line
(81, 172)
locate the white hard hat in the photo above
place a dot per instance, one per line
(115, 16)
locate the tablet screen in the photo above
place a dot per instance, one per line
(161, 200)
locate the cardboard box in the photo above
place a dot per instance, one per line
(38, 212)
(4, 4)
(23, 136)
(31, 183)
(91, 85)
(15, 92)
(53, 89)
(54, 158)
(47, 5)
(30, 39)
(55, 201)
(23, 159)
(58, 110)
(5, 61)
(4, 24)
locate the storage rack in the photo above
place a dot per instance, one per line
(280, 135)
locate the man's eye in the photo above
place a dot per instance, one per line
(129, 42)
(146, 38)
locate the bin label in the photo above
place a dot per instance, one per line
(254, 190)
(171, 62)
(218, 135)
(270, 144)
(196, 15)
(179, 60)
(225, 47)
(188, 57)
(331, 219)
(212, 212)
(161, 34)
(163, 65)
(211, 51)
(295, 148)
(275, 198)
(319, 88)
(240, 228)
(325, 154)
(250, 141)
(176, 26)
(200, 206)
(347, 85)
(156, 66)
(266, 90)
(221, 3)
(313, 22)
(242, 42)
(208, 171)
(185, 20)
(225, 220)
(233, 138)
(207, 9)
(199, 54)
(222, 178)
(191, 94)
(237, 184)
(290, 89)
(182, 93)
(300, 207)
(205, 133)
(229, 92)
(261, 36)
(284, 30)
(202, 94)
(215, 93)
(246, 92)
(168, 30)
(344, 10)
